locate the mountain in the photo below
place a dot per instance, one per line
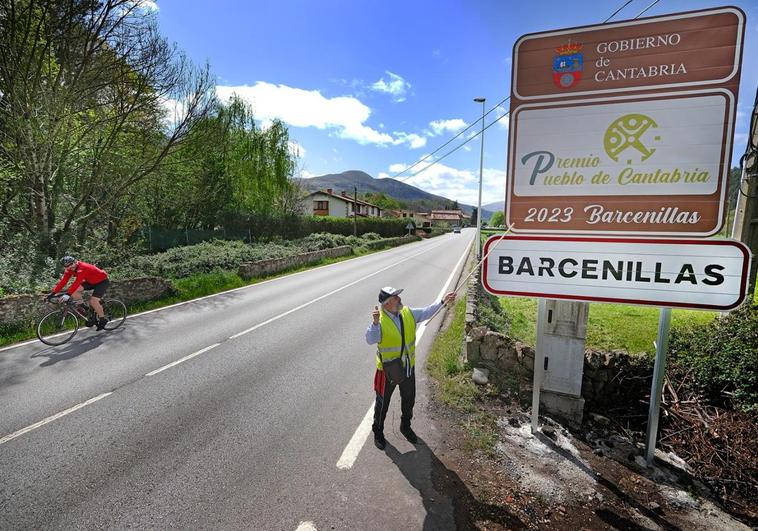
(415, 198)
(494, 207)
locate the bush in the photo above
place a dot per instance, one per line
(218, 255)
(490, 312)
(23, 270)
(290, 227)
(723, 357)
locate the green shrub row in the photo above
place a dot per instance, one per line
(219, 255)
(722, 357)
(291, 227)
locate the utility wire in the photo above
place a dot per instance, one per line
(446, 143)
(482, 118)
(648, 7)
(619, 9)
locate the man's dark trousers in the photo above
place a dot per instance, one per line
(384, 389)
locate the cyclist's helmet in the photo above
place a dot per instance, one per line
(68, 260)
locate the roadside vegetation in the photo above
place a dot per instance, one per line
(457, 390)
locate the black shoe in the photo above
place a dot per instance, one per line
(408, 434)
(379, 441)
(101, 323)
(90, 322)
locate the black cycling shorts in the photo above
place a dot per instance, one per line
(98, 290)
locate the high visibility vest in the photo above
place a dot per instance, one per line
(390, 345)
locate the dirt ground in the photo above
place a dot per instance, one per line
(553, 480)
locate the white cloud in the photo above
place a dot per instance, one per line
(146, 5)
(344, 115)
(174, 111)
(305, 174)
(415, 141)
(505, 122)
(296, 149)
(439, 127)
(456, 184)
(397, 87)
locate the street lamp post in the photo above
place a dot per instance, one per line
(481, 170)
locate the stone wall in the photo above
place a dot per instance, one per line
(607, 375)
(21, 309)
(250, 270)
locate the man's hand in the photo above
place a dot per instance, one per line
(375, 315)
(449, 298)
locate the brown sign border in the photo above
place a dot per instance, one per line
(636, 22)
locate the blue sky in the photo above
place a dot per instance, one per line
(377, 85)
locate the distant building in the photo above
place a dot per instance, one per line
(327, 203)
(454, 217)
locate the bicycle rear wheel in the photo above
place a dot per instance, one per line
(57, 327)
(115, 312)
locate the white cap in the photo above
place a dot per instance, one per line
(387, 292)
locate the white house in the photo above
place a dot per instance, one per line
(327, 203)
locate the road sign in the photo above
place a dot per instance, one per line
(625, 128)
(697, 274)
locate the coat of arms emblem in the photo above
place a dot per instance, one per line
(568, 65)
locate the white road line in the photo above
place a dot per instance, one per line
(51, 418)
(306, 526)
(16, 345)
(181, 360)
(353, 448)
(330, 293)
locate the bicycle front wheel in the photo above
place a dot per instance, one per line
(57, 327)
(115, 312)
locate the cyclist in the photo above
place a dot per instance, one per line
(88, 277)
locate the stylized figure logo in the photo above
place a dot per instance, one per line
(568, 66)
(626, 132)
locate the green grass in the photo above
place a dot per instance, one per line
(457, 390)
(610, 326)
(445, 365)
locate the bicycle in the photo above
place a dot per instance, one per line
(60, 326)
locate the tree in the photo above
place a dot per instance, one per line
(227, 168)
(384, 201)
(497, 219)
(474, 213)
(84, 92)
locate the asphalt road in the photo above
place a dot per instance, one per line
(244, 435)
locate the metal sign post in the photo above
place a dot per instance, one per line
(661, 352)
(539, 363)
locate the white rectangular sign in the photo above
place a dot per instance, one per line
(697, 274)
(665, 146)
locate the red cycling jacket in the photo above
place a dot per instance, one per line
(84, 273)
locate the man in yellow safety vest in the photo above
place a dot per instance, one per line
(393, 330)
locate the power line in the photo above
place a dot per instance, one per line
(482, 118)
(445, 144)
(619, 9)
(648, 7)
(461, 145)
